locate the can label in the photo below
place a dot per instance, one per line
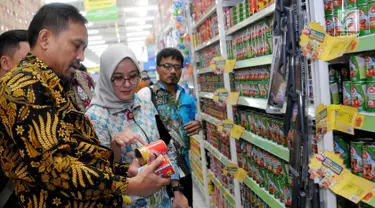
(368, 155)
(347, 97)
(371, 15)
(330, 26)
(158, 147)
(332, 75)
(345, 74)
(356, 157)
(362, 2)
(338, 5)
(328, 7)
(370, 68)
(358, 95)
(357, 66)
(370, 96)
(165, 169)
(352, 21)
(351, 3)
(338, 21)
(364, 21)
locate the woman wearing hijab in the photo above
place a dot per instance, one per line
(118, 115)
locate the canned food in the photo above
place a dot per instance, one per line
(332, 75)
(345, 74)
(142, 153)
(362, 2)
(370, 68)
(368, 155)
(338, 5)
(165, 169)
(357, 66)
(330, 26)
(334, 90)
(358, 95)
(350, 3)
(370, 96)
(338, 21)
(347, 97)
(371, 15)
(356, 157)
(364, 22)
(352, 21)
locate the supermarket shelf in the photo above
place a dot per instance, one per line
(198, 138)
(205, 16)
(253, 102)
(269, 146)
(263, 194)
(208, 95)
(198, 183)
(257, 16)
(210, 119)
(369, 121)
(223, 190)
(195, 158)
(204, 70)
(212, 41)
(366, 43)
(222, 158)
(259, 61)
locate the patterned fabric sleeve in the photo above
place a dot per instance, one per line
(43, 138)
(99, 118)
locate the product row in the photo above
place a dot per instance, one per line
(216, 167)
(207, 54)
(250, 199)
(219, 140)
(216, 110)
(210, 82)
(201, 7)
(207, 30)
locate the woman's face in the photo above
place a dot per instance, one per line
(125, 79)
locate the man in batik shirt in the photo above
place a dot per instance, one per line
(47, 147)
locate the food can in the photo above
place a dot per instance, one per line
(356, 157)
(328, 7)
(338, 21)
(165, 169)
(334, 91)
(362, 2)
(357, 66)
(370, 68)
(157, 147)
(349, 4)
(364, 21)
(371, 15)
(332, 75)
(330, 26)
(368, 155)
(346, 91)
(370, 96)
(341, 147)
(345, 74)
(338, 5)
(359, 95)
(352, 21)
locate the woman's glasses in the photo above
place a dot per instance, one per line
(120, 81)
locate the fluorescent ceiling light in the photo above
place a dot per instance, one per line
(95, 38)
(89, 64)
(143, 33)
(140, 8)
(139, 19)
(92, 32)
(98, 46)
(138, 27)
(96, 42)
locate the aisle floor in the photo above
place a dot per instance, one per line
(198, 199)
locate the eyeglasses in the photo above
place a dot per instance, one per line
(120, 81)
(169, 67)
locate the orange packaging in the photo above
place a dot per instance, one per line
(157, 147)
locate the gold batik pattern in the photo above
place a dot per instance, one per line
(49, 149)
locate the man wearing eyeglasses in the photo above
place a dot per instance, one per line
(177, 111)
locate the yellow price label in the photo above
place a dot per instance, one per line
(229, 66)
(345, 119)
(233, 98)
(215, 98)
(237, 131)
(220, 128)
(240, 175)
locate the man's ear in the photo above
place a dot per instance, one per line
(44, 38)
(5, 64)
(157, 69)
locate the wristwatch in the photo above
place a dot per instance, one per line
(179, 188)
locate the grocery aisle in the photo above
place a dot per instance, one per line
(198, 199)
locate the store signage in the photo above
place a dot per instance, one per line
(97, 10)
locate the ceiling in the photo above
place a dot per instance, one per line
(134, 24)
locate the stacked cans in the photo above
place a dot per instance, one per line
(219, 140)
(211, 108)
(252, 82)
(250, 200)
(210, 82)
(205, 55)
(216, 168)
(345, 17)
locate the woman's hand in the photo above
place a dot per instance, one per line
(180, 201)
(123, 139)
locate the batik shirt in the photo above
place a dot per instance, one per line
(139, 118)
(50, 150)
(175, 113)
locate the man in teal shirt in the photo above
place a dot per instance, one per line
(177, 110)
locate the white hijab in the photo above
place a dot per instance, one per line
(104, 95)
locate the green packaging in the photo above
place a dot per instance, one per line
(338, 21)
(346, 91)
(370, 96)
(371, 15)
(341, 147)
(364, 21)
(345, 74)
(352, 21)
(358, 94)
(328, 7)
(370, 68)
(332, 75)
(334, 91)
(350, 4)
(356, 149)
(357, 65)
(338, 5)
(368, 156)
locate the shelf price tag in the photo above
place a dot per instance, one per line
(345, 119)
(229, 66)
(233, 98)
(237, 131)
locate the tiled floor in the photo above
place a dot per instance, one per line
(198, 198)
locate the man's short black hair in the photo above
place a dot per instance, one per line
(10, 41)
(54, 17)
(170, 52)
